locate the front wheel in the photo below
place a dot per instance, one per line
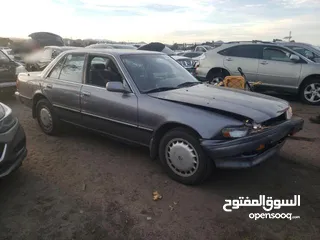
(310, 92)
(183, 158)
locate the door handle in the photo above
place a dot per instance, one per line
(264, 63)
(228, 59)
(86, 94)
(49, 86)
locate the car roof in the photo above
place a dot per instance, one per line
(108, 44)
(294, 43)
(62, 47)
(114, 52)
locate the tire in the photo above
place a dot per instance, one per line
(216, 74)
(186, 142)
(44, 111)
(308, 87)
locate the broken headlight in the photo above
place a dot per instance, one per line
(235, 132)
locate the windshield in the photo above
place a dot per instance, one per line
(151, 72)
(208, 47)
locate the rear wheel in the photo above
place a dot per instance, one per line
(183, 158)
(47, 119)
(310, 92)
(218, 74)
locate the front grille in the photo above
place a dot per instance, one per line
(275, 121)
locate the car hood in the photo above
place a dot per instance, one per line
(177, 57)
(255, 106)
(47, 39)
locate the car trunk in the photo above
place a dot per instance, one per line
(47, 39)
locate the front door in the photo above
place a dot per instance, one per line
(7, 71)
(244, 56)
(63, 86)
(276, 68)
(113, 113)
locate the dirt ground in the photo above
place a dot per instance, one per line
(83, 186)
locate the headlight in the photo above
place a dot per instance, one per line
(20, 69)
(235, 132)
(289, 113)
(7, 121)
(203, 56)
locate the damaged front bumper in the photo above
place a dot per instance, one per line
(253, 149)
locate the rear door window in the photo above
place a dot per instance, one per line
(72, 69)
(244, 51)
(55, 72)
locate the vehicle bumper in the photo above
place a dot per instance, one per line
(201, 73)
(7, 87)
(244, 153)
(24, 100)
(13, 149)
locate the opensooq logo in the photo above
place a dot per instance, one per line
(267, 203)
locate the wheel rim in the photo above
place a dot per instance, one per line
(312, 92)
(182, 157)
(46, 118)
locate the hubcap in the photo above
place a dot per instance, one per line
(312, 92)
(46, 118)
(181, 157)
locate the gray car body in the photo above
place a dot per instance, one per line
(275, 75)
(143, 118)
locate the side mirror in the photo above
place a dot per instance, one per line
(116, 87)
(294, 58)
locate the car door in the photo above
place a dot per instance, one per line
(113, 113)
(7, 71)
(244, 56)
(306, 52)
(63, 85)
(276, 68)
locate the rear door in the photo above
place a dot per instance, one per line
(276, 68)
(7, 71)
(244, 56)
(63, 86)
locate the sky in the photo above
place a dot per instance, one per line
(168, 21)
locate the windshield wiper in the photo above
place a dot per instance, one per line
(188, 84)
(161, 89)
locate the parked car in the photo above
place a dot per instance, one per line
(38, 60)
(9, 53)
(111, 46)
(12, 142)
(196, 56)
(278, 68)
(147, 98)
(9, 71)
(307, 50)
(203, 48)
(185, 62)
